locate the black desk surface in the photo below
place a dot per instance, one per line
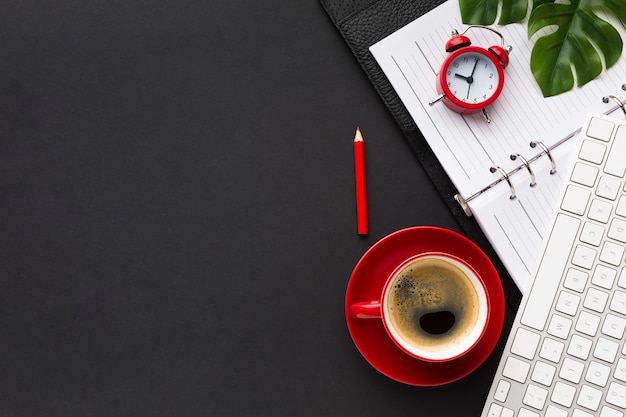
(177, 221)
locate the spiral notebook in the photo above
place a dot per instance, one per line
(507, 172)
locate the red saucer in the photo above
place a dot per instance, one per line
(369, 276)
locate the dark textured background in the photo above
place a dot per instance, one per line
(177, 221)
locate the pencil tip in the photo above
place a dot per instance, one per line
(357, 136)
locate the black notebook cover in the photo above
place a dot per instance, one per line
(362, 23)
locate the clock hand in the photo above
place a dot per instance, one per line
(461, 76)
(474, 69)
(470, 79)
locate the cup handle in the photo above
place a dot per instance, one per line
(366, 310)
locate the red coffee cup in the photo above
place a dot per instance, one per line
(434, 306)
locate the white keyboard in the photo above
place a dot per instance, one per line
(565, 355)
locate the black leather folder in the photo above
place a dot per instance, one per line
(362, 23)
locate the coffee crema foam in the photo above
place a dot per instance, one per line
(432, 285)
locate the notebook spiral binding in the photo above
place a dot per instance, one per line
(526, 163)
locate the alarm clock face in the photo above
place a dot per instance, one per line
(471, 78)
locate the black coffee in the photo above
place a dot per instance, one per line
(432, 304)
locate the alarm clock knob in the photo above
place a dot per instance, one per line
(456, 42)
(501, 53)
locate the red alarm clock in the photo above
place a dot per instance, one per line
(471, 77)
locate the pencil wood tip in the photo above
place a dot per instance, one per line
(358, 137)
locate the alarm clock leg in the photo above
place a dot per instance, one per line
(438, 99)
(486, 116)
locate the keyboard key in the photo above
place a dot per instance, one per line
(616, 395)
(559, 326)
(551, 350)
(606, 350)
(604, 277)
(589, 398)
(614, 326)
(568, 303)
(516, 369)
(610, 412)
(584, 174)
(608, 187)
(575, 199)
(612, 253)
(592, 233)
(576, 280)
(596, 300)
(543, 373)
(548, 275)
(579, 347)
(587, 323)
(600, 210)
(598, 374)
(571, 370)
(527, 413)
(600, 129)
(592, 151)
(616, 163)
(580, 413)
(563, 394)
(618, 303)
(495, 410)
(507, 412)
(502, 391)
(553, 411)
(617, 230)
(535, 397)
(525, 343)
(584, 256)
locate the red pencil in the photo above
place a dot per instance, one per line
(361, 188)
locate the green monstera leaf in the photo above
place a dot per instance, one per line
(581, 41)
(484, 12)
(576, 45)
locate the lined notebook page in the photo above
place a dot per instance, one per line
(516, 227)
(467, 147)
